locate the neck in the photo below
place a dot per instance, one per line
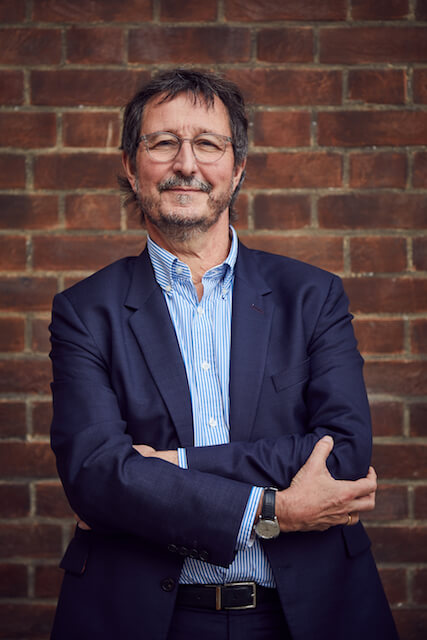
(201, 251)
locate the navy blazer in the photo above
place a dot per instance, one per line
(119, 379)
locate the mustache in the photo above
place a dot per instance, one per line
(183, 181)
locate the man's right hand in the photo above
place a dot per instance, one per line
(316, 501)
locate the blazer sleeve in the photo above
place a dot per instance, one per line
(112, 487)
(336, 403)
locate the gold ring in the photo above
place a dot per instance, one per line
(349, 520)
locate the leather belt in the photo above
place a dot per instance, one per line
(218, 597)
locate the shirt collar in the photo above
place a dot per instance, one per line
(167, 267)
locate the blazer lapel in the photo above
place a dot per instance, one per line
(250, 330)
(153, 329)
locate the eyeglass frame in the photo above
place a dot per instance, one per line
(144, 138)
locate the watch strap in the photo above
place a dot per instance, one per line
(268, 510)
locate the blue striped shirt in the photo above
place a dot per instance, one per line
(203, 331)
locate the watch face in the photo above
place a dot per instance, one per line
(267, 529)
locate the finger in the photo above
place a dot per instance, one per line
(366, 503)
(320, 453)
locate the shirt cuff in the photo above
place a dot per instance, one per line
(182, 458)
(245, 537)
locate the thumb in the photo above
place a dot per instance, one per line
(321, 451)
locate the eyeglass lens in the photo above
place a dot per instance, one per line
(207, 147)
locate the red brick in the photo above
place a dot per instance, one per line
(30, 46)
(282, 128)
(289, 86)
(380, 86)
(352, 45)
(404, 461)
(399, 377)
(12, 253)
(24, 376)
(387, 418)
(295, 170)
(421, 9)
(40, 335)
(419, 179)
(51, 501)
(12, 10)
(13, 581)
(75, 87)
(391, 504)
(324, 252)
(395, 584)
(12, 420)
(373, 211)
(27, 294)
(12, 171)
(419, 586)
(378, 170)
(94, 129)
(152, 44)
(241, 212)
(91, 211)
(379, 10)
(368, 128)
(30, 540)
(94, 11)
(288, 44)
(253, 10)
(418, 419)
(411, 623)
(12, 337)
(281, 212)
(378, 254)
(419, 336)
(98, 45)
(76, 171)
(11, 87)
(402, 544)
(47, 581)
(420, 86)
(83, 253)
(14, 501)
(420, 502)
(392, 295)
(28, 212)
(25, 620)
(42, 417)
(420, 253)
(27, 130)
(27, 459)
(379, 336)
(192, 10)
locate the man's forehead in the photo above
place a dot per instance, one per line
(185, 105)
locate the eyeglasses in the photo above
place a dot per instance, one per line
(164, 146)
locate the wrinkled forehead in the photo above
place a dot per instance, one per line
(185, 110)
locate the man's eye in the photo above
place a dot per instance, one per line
(207, 144)
(163, 144)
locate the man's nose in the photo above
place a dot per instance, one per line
(185, 162)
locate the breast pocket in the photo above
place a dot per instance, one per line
(291, 376)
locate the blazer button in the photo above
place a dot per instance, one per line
(183, 551)
(173, 548)
(168, 584)
(204, 555)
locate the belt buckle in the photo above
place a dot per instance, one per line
(218, 603)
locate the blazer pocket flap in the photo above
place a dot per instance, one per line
(289, 377)
(356, 539)
(75, 557)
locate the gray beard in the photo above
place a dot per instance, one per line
(172, 224)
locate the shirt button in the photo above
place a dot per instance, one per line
(179, 269)
(168, 288)
(200, 311)
(205, 366)
(213, 422)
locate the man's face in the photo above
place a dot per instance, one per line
(183, 195)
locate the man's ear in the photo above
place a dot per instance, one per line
(238, 173)
(129, 170)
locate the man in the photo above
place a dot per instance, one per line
(190, 380)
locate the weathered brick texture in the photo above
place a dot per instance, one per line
(336, 175)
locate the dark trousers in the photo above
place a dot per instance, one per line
(266, 622)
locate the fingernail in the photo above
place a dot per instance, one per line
(328, 439)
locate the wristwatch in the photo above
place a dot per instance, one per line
(267, 526)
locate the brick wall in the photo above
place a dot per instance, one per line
(337, 176)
